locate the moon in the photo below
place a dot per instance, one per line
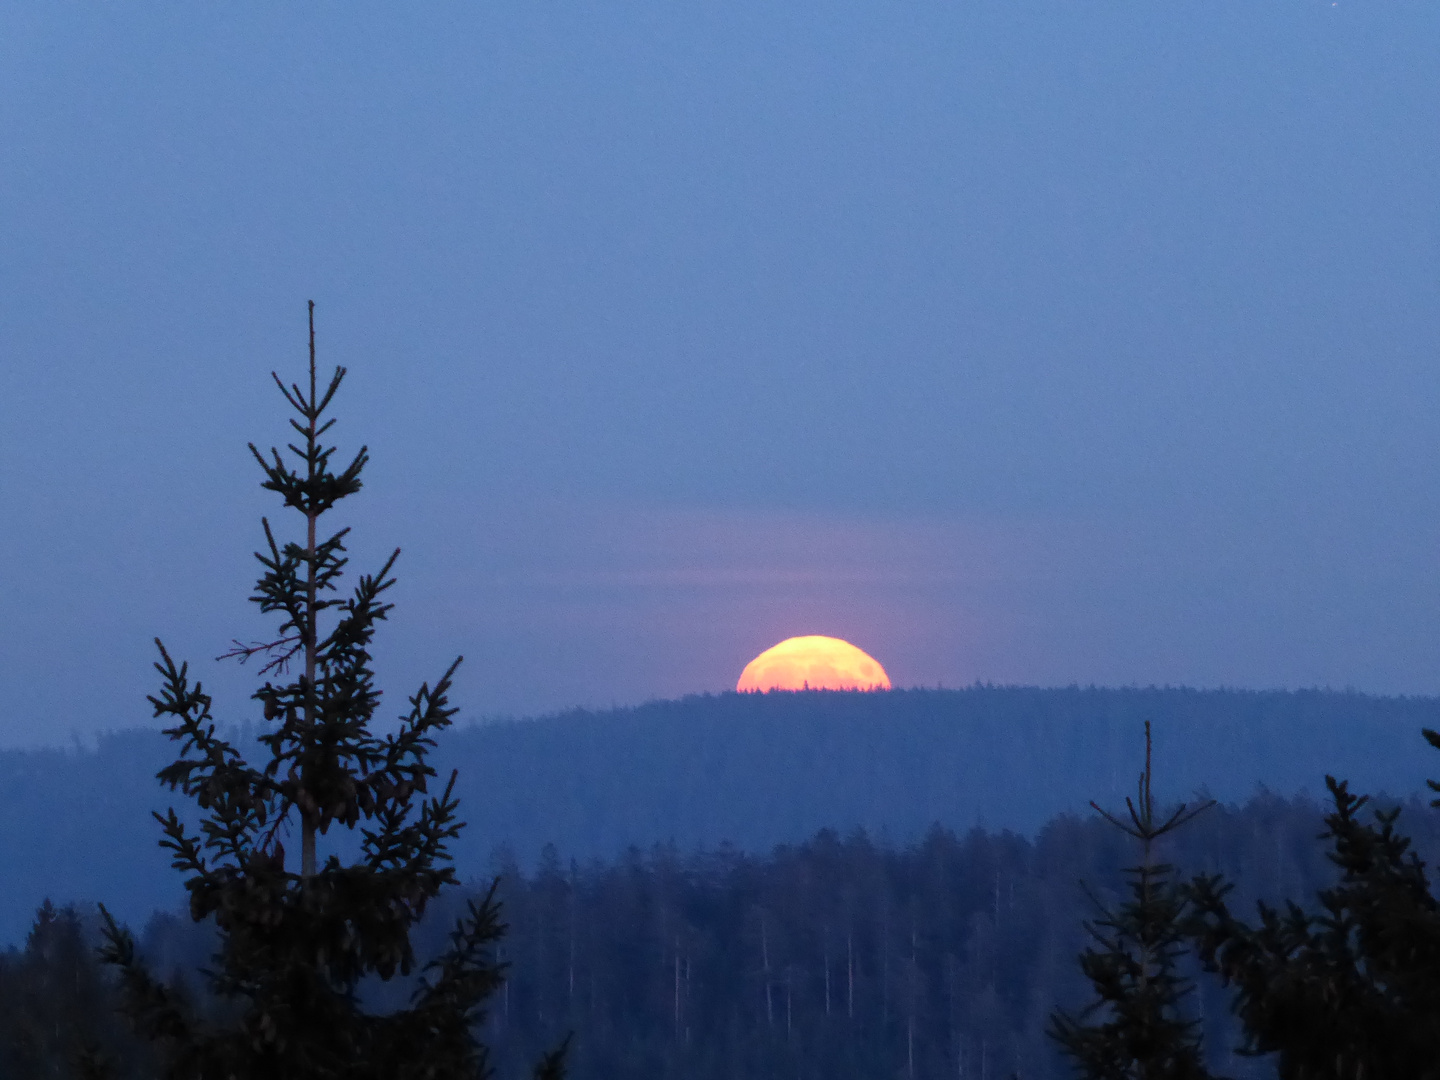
(813, 662)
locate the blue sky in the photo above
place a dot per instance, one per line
(1018, 341)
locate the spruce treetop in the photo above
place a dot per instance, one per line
(298, 935)
(1136, 1027)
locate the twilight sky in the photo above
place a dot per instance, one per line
(1014, 340)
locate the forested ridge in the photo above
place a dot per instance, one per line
(841, 956)
(749, 770)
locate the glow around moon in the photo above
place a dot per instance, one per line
(813, 662)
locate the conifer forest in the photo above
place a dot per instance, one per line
(720, 540)
(330, 930)
(835, 957)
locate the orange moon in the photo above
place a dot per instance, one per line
(813, 662)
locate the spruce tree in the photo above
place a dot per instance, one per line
(1136, 1027)
(57, 1016)
(1350, 992)
(298, 935)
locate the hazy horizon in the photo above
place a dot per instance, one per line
(1017, 342)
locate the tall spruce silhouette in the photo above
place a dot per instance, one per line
(1136, 1028)
(296, 937)
(1351, 992)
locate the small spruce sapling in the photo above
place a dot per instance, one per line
(296, 937)
(1136, 1028)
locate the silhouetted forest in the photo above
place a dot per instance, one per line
(837, 957)
(749, 770)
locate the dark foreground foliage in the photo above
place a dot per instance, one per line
(946, 957)
(845, 958)
(1139, 1023)
(58, 1014)
(1348, 988)
(299, 930)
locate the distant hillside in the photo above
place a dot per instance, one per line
(752, 771)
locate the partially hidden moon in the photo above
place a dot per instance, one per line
(813, 662)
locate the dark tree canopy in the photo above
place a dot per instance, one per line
(57, 1013)
(841, 958)
(297, 935)
(1351, 991)
(1136, 1027)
